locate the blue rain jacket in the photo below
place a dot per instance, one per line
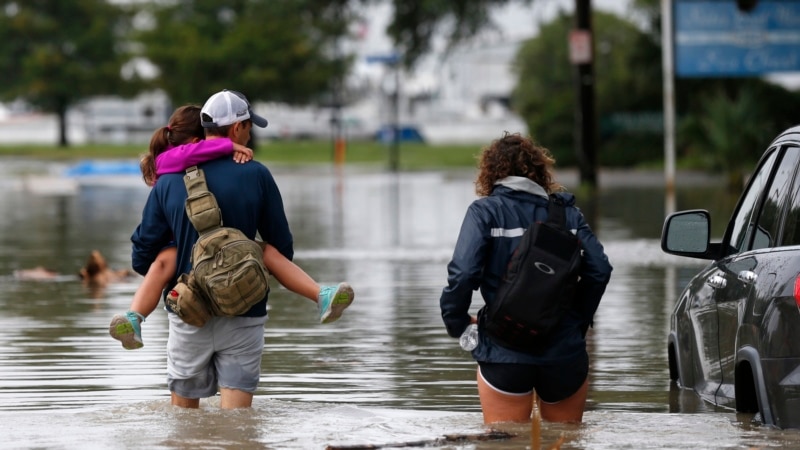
(491, 230)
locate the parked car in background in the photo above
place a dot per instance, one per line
(735, 331)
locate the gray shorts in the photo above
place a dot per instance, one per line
(225, 353)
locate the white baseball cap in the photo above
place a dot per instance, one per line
(228, 107)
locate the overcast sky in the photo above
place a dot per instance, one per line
(513, 23)
(518, 21)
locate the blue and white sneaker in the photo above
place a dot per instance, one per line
(333, 300)
(127, 329)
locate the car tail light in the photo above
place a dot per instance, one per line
(797, 290)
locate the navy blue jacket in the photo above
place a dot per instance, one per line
(491, 230)
(249, 200)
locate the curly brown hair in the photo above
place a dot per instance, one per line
(183, 127)
(514, 155)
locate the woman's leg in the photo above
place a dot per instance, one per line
(502, 407)
(569, 410)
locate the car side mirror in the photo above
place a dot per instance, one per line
(687, 233)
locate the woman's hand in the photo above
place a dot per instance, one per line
(241, 154)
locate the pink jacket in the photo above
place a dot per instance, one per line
(179, 158)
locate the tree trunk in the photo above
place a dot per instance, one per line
(61, 111)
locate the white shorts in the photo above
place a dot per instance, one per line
(225, 353)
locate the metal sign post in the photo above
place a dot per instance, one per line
(393, 61)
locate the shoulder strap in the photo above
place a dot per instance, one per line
(555, 212)
(201, 205)
(195, 181)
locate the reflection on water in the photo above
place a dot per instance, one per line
(385, 373)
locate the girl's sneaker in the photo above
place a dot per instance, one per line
(333, 300)
(127, 329)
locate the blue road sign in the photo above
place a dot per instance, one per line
(714, 38)
(388, 59)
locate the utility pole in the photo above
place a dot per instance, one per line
(668, 72)
(582, 57)
(394, 153)
(337, 99)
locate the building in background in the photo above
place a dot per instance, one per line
(117, 120)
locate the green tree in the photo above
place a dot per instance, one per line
(56, 53)
(272, 50)
(724, 124)
(416, 22)
(628, 75)
(727, 132)
(728, 123)
(627, 81)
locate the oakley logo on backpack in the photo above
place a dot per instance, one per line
(544, 268)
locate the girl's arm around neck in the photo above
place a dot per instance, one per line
(178, 159)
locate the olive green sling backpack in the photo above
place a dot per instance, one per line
(228, 275)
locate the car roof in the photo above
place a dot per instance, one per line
(789, 135)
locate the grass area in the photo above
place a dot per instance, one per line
(410, 156)
(76, 152)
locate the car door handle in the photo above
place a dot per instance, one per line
(747, 276)
(717, 282)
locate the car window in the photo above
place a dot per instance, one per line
(769, 221)
(791, 227)
(740, 232)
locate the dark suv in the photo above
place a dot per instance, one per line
(735, 332)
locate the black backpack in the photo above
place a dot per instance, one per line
(538, 286)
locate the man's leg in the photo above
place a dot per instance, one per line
(234, 398)
(240, 344)
(190, 369)
(184, 402)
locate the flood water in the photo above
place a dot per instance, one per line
(386, 373)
